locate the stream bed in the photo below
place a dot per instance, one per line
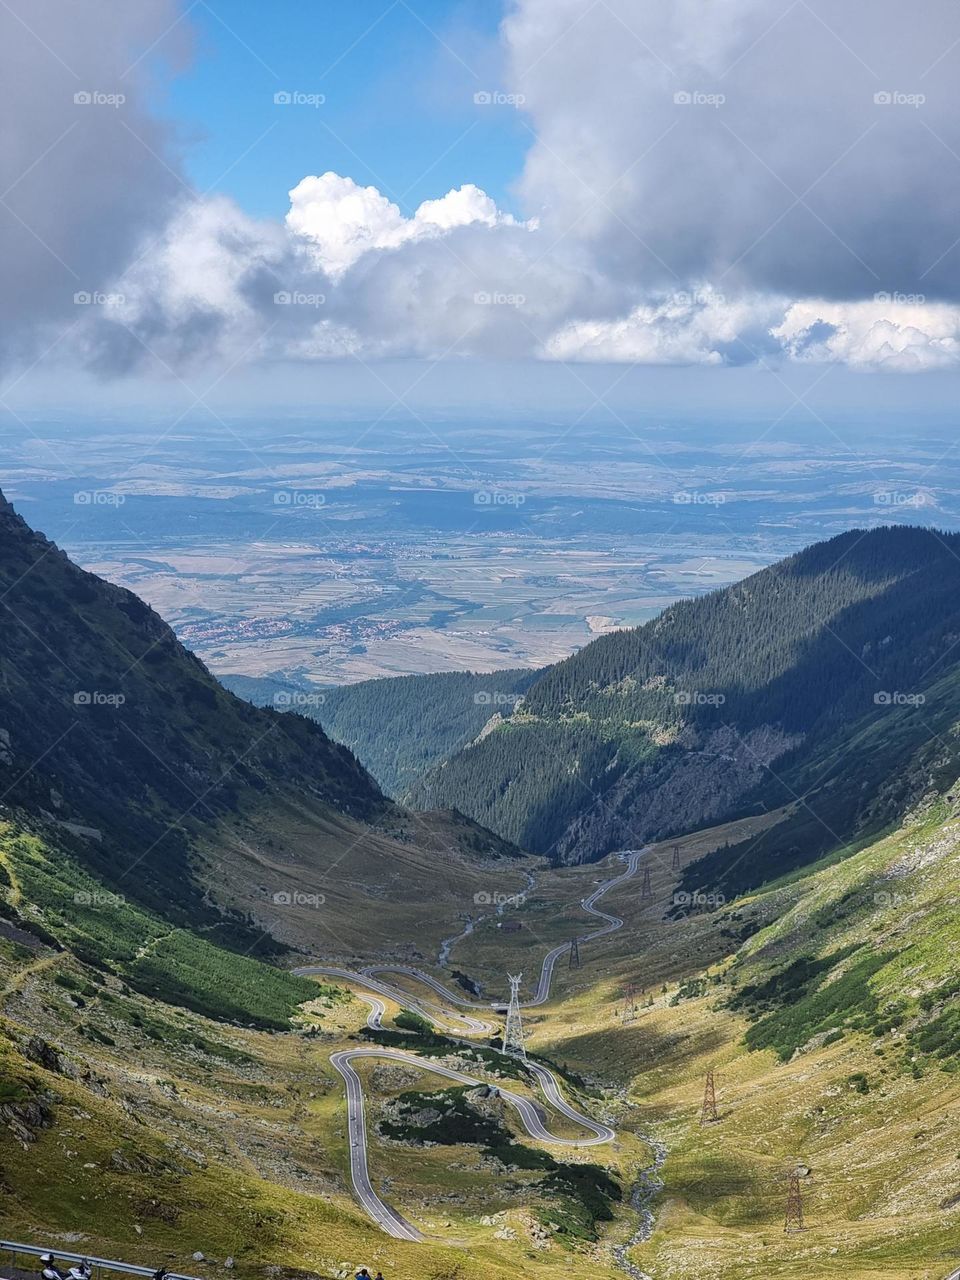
(645, 1190)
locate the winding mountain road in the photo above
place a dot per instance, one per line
(542, 993)
(531, 1115)
(457, 1023)
(384, 1214)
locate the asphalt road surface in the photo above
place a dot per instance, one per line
(384, 1214)
(457, 1023)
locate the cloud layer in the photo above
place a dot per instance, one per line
(776, 180)
(793, 146)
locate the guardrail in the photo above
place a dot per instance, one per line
(98, 1265)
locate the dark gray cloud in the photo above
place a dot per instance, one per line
(794, 146)
(86, 171)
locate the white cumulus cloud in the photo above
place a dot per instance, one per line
(342, 221)
(886, 333)
(699, 326)
(701, 187)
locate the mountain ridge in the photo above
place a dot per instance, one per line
(398, 726)
(649, 732)
(130, 736)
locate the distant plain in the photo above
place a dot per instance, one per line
(335, 552)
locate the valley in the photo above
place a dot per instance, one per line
(252, 1008)
(635, 1029)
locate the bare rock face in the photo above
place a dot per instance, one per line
(25, 1120)
(388, 1077)
(695, 781)
(47, 1056)
(488, 1101)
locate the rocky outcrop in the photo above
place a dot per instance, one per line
(47, 1056)
(26, 1119)
(696, 781)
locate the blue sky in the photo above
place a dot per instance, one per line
(399, 113)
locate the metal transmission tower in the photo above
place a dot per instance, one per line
(513, 1030)
(794, 1216)
(675, 864)
(709, 1112)
(575, 954)
(646, 892)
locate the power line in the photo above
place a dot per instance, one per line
(793, 1220)
(629, 1007)
(513, 1029)
(646, 891)
(708, 1112)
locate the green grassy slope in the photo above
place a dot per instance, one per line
(827, 1004)
(50, 894)
(160, 1096)
(839, 1029)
